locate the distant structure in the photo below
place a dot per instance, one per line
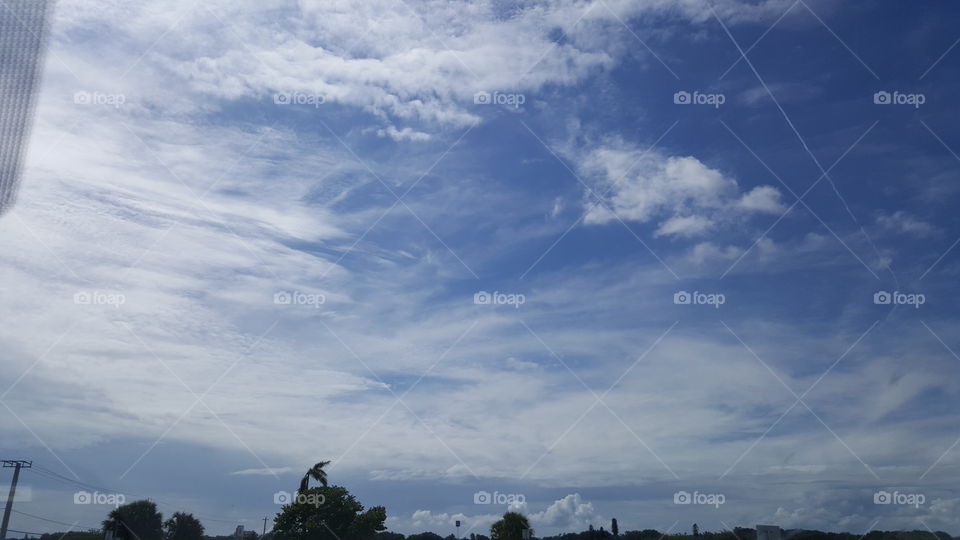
(24, 28)
(768, 532)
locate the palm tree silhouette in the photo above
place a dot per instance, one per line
(317, 473)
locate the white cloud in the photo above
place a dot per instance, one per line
(405, 134)
(763, 199)
(903, 223)
(418, 62)
(569, 513)
(685, 197)
(262, 472)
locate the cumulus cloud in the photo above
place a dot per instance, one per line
(683, 196)
(570, 512)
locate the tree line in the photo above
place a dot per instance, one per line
(330, 512)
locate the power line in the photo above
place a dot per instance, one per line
(53, 475)
(26, 532)
(54, 521)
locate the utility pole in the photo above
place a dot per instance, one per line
(7, 463)
(264, 526)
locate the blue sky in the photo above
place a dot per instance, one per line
(193, 166)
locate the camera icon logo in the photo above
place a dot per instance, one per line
(482, 298)
(281, 99)
(482, 98)
(882, 298)
(682, 497)
(681, 297)
(882, 98)
(482, 497)
(82, 497)
(882, 497)
(83, 298)
(282, 497)
(81, 98)
(282, 298)
(682, 98)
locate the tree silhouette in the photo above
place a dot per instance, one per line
(182, 526)
(317, 473)
(614, 527)
(330, 513)
(138, 520)
(510, 527)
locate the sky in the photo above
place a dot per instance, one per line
(665, 261)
